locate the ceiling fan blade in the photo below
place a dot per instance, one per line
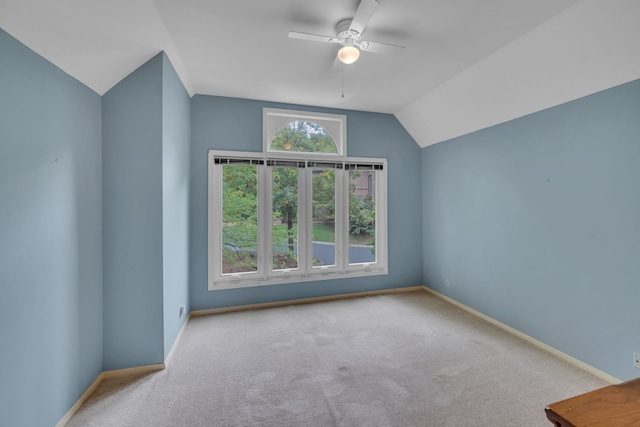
(363, 15)
(384, 48)
(311, 37)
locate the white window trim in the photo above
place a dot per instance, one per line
(305, 272)
(273, 119)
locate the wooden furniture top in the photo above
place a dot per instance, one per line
(612, 406)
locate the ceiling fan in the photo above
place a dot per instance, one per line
(349, 35)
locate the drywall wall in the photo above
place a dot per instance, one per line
(176, 143)
(236, 124)
(132, 219)
(146, 140)
(534, 222)
(50, 238)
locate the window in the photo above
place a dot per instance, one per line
(303, 136)
(292, 214)
(289, 131)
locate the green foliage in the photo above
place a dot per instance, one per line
(362, 210)
(303, 136)
(324, 195)
(240, 237)
(239, 207)
(285, 200)
(362, 215)
(281, 235)
(323, 233)
(239, 261)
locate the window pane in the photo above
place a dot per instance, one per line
(239, 219)
(303, 136)
(285, 217)
(362, 216)
(323, 208)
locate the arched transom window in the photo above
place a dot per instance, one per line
(314, 134)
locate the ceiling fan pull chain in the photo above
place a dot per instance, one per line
(342, 74)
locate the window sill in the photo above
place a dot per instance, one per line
(246, 282)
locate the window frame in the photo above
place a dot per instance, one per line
(274, 119)
(305, 272)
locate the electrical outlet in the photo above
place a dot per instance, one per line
(636, 360)
(446, 283)
(182, 309)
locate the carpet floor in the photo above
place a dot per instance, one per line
(408, 359)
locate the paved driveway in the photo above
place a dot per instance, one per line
(357, 253)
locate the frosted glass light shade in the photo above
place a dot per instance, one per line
(348, 54)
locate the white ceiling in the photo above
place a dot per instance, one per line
(240, 48)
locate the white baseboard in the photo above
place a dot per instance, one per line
(80, 401)
(117, 373)
(136, 370)
(580, 364)
(176, 341)
(207, 312)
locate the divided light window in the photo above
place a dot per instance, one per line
(296, 213)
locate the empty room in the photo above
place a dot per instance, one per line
(310, 213)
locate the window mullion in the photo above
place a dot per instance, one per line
(265, 203)
(304, 222)
(342, 219)
(215, 220)
(382, 220)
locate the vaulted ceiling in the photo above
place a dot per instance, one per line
(468, 64)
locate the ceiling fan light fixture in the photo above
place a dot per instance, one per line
(348, 54)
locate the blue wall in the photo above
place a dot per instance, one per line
(146, 141)
(50, 238)
(535, 223)
(176, 144)
(236, 124)
(132, 219)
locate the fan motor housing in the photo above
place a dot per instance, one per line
(343, 27)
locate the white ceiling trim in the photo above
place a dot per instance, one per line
(590, 47)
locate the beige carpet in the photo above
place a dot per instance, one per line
(393, 360)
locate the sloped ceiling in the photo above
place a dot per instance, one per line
(468, 64)
(592, 46)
